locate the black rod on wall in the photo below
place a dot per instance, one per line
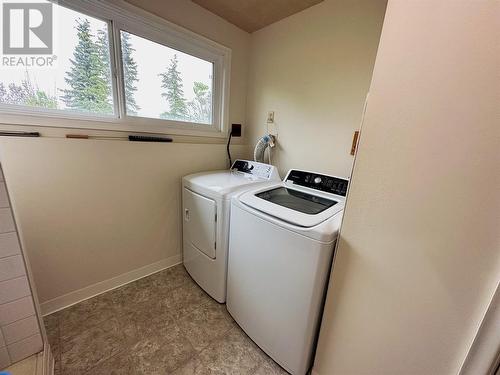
(130, 138)
(19, 134)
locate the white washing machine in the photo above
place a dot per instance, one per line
(206, 208)
(280, 253)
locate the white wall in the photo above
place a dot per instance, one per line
(419, 254)
(92, 210)
(314, 69)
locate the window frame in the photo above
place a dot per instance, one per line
(122, 16)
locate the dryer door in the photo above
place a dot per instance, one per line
(200, 223)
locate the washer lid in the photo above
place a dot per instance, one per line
(294, 204)
(297, 200)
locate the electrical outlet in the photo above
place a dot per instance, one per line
(270, 117)
(236, 130)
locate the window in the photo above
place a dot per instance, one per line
(119, 68)
(173, 85)
(78, 80)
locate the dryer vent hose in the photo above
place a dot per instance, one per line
(260, 148)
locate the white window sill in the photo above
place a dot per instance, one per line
(130, 124)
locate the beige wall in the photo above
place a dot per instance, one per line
(91, 210)
(314, 69)
(419, 255)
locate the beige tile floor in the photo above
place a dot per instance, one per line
(159, 325)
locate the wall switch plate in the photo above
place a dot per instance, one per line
(270, 117)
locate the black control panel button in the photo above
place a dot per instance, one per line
(253, 168)
(242, 166)
(329, 184)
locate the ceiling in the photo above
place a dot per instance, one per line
(252, 15)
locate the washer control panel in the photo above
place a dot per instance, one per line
(253, 168)
(328, 184)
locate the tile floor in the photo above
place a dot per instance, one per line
(162, 324)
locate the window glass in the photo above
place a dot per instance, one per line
(161, 82)
(76, 77)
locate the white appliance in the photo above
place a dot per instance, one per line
(280, 253)
(206, 208)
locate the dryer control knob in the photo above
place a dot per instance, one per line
(317, 180)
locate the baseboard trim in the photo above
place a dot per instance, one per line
(66, 300)
(46, 366)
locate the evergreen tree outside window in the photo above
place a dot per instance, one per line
(171, 82)
(160, 78)
(200, 108)
(81, 79)
(89, 76)
(161, 82)
(130, 72)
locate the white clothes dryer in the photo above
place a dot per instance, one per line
(206, 211)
